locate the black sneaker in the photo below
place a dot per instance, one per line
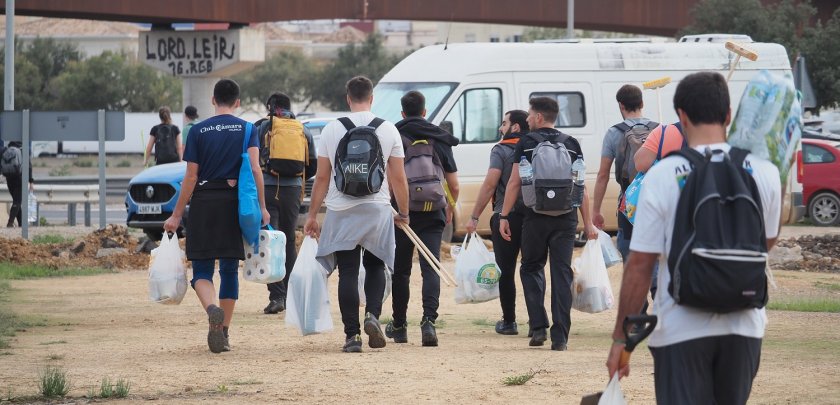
(558, 346)
(427, 332)
(506, 328)
(538, 338)
(530, 331)
(353, 344)
(216, 334)
(399, 334)
(274, 307)
(376, 339)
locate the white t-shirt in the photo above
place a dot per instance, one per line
(657, 206)
(389, 139)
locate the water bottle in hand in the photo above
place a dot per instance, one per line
(526, 172)
(579, 177)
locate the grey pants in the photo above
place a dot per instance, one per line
(714, 370)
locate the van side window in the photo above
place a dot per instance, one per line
(476, 116)
(572, 108)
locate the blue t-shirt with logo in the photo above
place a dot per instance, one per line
(215, 144)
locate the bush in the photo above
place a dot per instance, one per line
(53, 382)
(63, 170)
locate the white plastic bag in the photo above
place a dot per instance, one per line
(613, 395)
(362, 275)
(611, 254)
(167, 272)
(476, 273)
(591, 291)
(33, 208)
(307, 299)
(266, 263)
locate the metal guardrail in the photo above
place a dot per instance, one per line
(116, 186)
(60, 194)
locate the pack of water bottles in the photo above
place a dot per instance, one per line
(769, 120)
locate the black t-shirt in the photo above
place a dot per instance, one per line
(528, 142)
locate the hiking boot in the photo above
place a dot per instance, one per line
(427, 332)
(506, 328)
(216, 335)
(376, 339)
(538, 338)
(275, 306)
(558, 346)
(353, 344)
(399, 334)
(530, 331)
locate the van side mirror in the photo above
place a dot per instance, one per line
(447, 126)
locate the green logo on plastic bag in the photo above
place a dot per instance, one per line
(488, 276)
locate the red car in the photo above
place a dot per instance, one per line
(819, 173)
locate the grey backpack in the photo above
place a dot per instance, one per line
(632, 139)
(11, 161)
(424, 173)
(551, 191)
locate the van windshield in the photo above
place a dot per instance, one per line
(386, 98)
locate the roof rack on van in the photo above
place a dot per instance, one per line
(717, 38)
(595, 40)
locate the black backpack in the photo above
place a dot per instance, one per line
(359, 165)
(166, 145)
(10, 162)
(718, 250)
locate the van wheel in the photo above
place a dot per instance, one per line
(824, 209)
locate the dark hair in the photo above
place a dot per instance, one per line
(630, 96)
(165, 115)
(191, 112)
(519, 117)
(704, 97)
(546, 106)
(278, 100)
(413, 103)
(359, 88)
(226, 92)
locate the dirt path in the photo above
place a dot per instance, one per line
(105, 326)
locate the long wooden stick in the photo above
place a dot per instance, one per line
(427, 254)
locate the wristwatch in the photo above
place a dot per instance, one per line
(505, 217)
(474, 218)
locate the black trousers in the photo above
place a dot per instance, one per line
(506, 254)
(713, 370)
(283, 206)
(14, 183)
(429, 227)
(348, 287)
(548, 238)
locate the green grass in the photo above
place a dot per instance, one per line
(520, 379)
(122, 388)
(124, 163)
(250, 381)
(106, 389)
(83, 163)
(483, 322)
(222, 389)
(827, 286)
(50, 239)
(53, 342)
(59, 171)
(53, 382)
(55, 357)
(806, 305)
(11, 271)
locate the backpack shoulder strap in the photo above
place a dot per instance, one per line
(651, 125)
(661, 142)
(622, 126)
(347, 123)
(376, 122)
(738, 155)
(694, 157)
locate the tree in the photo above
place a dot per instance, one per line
(368, 59)
(110, 81)
(37, 64)
(782, 23)
(823, 58)
(287, 71)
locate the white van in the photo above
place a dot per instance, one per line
(473, 85)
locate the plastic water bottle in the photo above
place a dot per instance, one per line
(526, 172)
(579, 177)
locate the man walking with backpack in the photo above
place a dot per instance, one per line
(710, 302)
(430, 169)
(502, 159)
(287, 158)
(10, 167)
(553, 192)
(360, 162)
(620, 144)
